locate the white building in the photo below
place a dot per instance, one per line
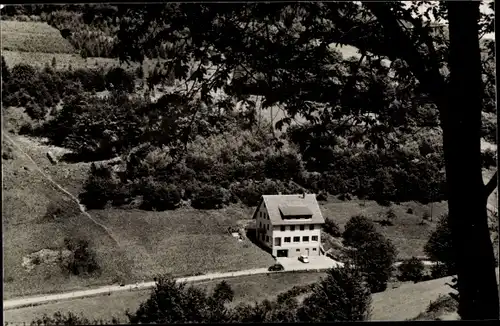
(289, 225)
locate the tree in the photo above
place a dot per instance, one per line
(171, 302)
(419, 53)
(411, 270)
(357, 231)
(439, 247)
(340, 296)
(375, 259)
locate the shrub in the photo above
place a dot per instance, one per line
(322, 196)
(357, 231)
(340, 296)
(98, 191)
(440, 270)
(159, 196)
(411, 270)
(390, 215)
(119, 79)
(332, 228)
(209, 197)
(439, 246)
(83, 260)
(426, 216)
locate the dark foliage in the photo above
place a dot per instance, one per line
(209, 197)
(375, 259)
(83, 260)
(439, 246)
(332, 228)
(411, 270)
(159, 196)
(357, 231)
(341, 296)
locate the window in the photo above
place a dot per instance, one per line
(305, 238)
(260, 224)
(268, 226)
(297, 250)
(302, 228)
(311, 227)
(314, 238)
(267, 238)
(292, 228)
(260, 214)
(296, 239)
(287, 239)
(277, 241)
(283, 228)
(314, 249)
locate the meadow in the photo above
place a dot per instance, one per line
(33, 37)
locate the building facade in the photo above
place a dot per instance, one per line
(289, 225)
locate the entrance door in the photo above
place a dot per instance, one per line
(282, 253)
(307, 252)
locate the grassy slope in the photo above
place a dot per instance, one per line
(26, 196)
(33, 37)
(247, 289)
(407, 234)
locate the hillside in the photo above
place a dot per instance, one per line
(33, 37)
(144, 174)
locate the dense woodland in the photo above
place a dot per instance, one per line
(393, 124)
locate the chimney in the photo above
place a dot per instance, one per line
(303, 194)
(279, 193)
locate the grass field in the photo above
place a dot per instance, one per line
(33, 37)
(26, 196)
(247, 289)
(407, 234)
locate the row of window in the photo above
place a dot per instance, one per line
(301, 227)
(292, 227)
(264, 215)
(277, 241)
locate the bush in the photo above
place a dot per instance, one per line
(411, 270)
(332, 228)
(119, 79)
(439, 246)
(159, 196)
(98, 191)
(209, 197)
(391, 215)
(440, 270)
(83, 260)
(358, 231)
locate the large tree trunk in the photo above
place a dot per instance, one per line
(467, 197)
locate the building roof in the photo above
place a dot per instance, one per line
(292, 204)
